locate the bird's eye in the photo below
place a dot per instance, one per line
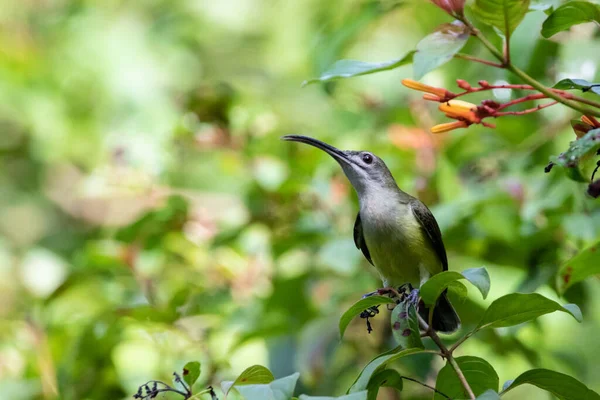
(367, 158)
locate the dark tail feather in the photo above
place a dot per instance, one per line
(445, 318)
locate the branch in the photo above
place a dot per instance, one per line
(425, 385)
(562, 93)
(577, 98)
(536, 96)
(479, 60)
(448, 355)
(484, 85)
(461, 341)
(529, 110)
(551, 94)
(506, 42)
(526, 78)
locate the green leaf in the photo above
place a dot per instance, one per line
(488, 395)
(516, 308)
(569, 14)
(191, 372)
(435, 286)
(353, 396)
(586, 263)
(251, 375)
(458, 289)
(586, 145)
(377, 365)
(359, 307)
(505, 15)
(479, 278)
(560, 385)
(351, 68)
(386, 378)
(541, 5)
(283, 388)
(280, 389)
(478, 372)
(580, 84)
(405, 326)
(575, 174)
(439, 47)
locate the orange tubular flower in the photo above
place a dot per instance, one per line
(447, 127)
(586, 124)
(440, 92)
(461, 110)
(591, 121)
(431, 97)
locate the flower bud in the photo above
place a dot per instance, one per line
(431, 97)
(463, 84)
(452, 7)
(411, 84)
(459, 109)
(447, 127)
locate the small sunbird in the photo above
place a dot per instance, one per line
(395, 231)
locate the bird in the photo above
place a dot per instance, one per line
(395, 231)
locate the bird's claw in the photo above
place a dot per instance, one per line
(413, 297)
(403, 293)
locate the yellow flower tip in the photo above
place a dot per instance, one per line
(459, 109)
(412, 84)
(449, 126)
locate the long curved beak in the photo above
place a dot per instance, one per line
(337, 154)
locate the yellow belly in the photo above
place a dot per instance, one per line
(400, 249)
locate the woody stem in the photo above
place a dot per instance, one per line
(506, 62)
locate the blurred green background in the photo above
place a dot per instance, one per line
(150, 215)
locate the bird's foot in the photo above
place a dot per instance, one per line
(404, 292)
(413, 297)
(390, 291)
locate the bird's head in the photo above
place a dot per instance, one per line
(365, 171)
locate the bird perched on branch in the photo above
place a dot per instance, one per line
(395, 231)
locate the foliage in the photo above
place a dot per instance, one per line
(150, 214)
(569, 14)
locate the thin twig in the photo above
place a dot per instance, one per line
(525, 77)
(580, 99)
(563, 93)
(506, 42)
(425, 385)
(595, 170)
(448, 355)
(523, 99)
(461, 341)
(208, 390)
(529, 110)
(438, 353)
(478, 60)
(492, 87)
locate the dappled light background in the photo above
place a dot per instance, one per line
(150, 215)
